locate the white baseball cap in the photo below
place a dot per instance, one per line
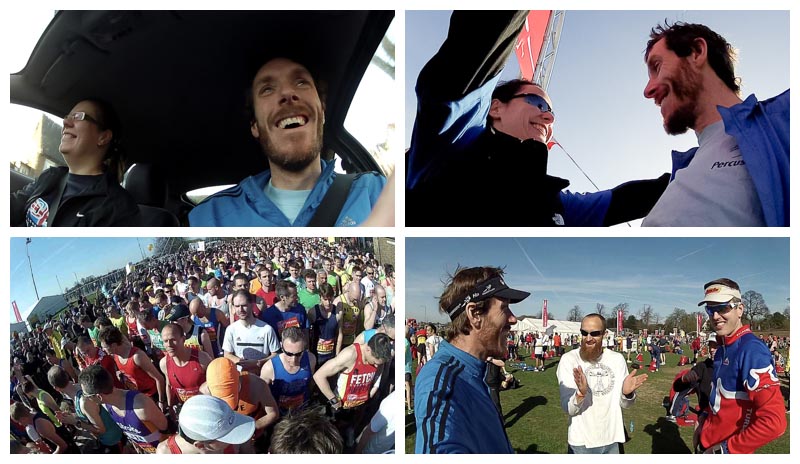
(719, 293)
(205, 418)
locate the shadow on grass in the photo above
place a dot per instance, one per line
(523, 408)
(533, 449)
(411, 424)
(666, 438)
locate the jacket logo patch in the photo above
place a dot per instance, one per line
(347, 221)
(726, 164)
(558, 220)
(38, 212)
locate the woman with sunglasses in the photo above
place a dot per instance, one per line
(86, 192)
(481, 150)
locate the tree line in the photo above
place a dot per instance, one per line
(756, 313)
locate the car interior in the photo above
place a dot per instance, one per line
(178, 79)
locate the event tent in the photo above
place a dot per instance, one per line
(529, 324)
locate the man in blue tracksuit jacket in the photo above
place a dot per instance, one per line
(247, 205)
(478, 147)
(453, 407)
(739, 174)
(287, 117)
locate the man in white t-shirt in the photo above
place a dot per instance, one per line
(432, 342)
(368, 281)
(538, 353)
(249, 342)
(595, 385)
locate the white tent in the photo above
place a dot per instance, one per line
(529, 324)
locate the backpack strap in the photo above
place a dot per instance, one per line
(330, 208)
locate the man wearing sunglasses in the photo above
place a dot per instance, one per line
(475, 142)
(595, 385)
(453, 408)
(746, 405)
(290, 373)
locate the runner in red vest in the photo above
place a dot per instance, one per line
(184, 367)
(358, 368)
(134, 363)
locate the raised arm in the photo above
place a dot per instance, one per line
(477, 47)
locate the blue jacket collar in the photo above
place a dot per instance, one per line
(254, 188)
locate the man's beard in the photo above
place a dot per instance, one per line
(292, 159)
(591, 353)
(686, 88)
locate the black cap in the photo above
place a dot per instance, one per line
(179, 312)
(494, 287)
(175, 299)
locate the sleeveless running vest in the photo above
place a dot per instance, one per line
(211, 329)
(193, 338)
(354, 386)
(143, 382)
(185, 381)
(143, 433)
(290, 390)
(133, 330)
(113, 433)
(350, 321)
(45, 410)
(325, 331)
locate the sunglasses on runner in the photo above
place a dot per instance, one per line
(720, 309)
(593, 333)
(293, 355)
(537, 101)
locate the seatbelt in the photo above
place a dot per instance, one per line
(330, 208)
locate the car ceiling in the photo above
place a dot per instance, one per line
(178, 79)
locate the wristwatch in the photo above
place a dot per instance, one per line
(333, 400)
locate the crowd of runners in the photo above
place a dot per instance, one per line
(280, 345)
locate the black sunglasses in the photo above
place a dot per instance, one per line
(535, 100)
(294, 355)
(594, 333)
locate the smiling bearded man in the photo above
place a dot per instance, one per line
(594, 385)
(739, 174)
(287, 115)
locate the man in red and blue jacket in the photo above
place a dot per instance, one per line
(746, 408)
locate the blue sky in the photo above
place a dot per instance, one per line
(663, 272)
(65, 257)
(597, 83)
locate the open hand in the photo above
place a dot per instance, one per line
(580, 380)
(632, 382)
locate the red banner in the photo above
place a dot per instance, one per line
(619, 321)
(699, 322)
(530, 41)
(16, 311)
(544, 315)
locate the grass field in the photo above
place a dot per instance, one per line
(536, 424)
